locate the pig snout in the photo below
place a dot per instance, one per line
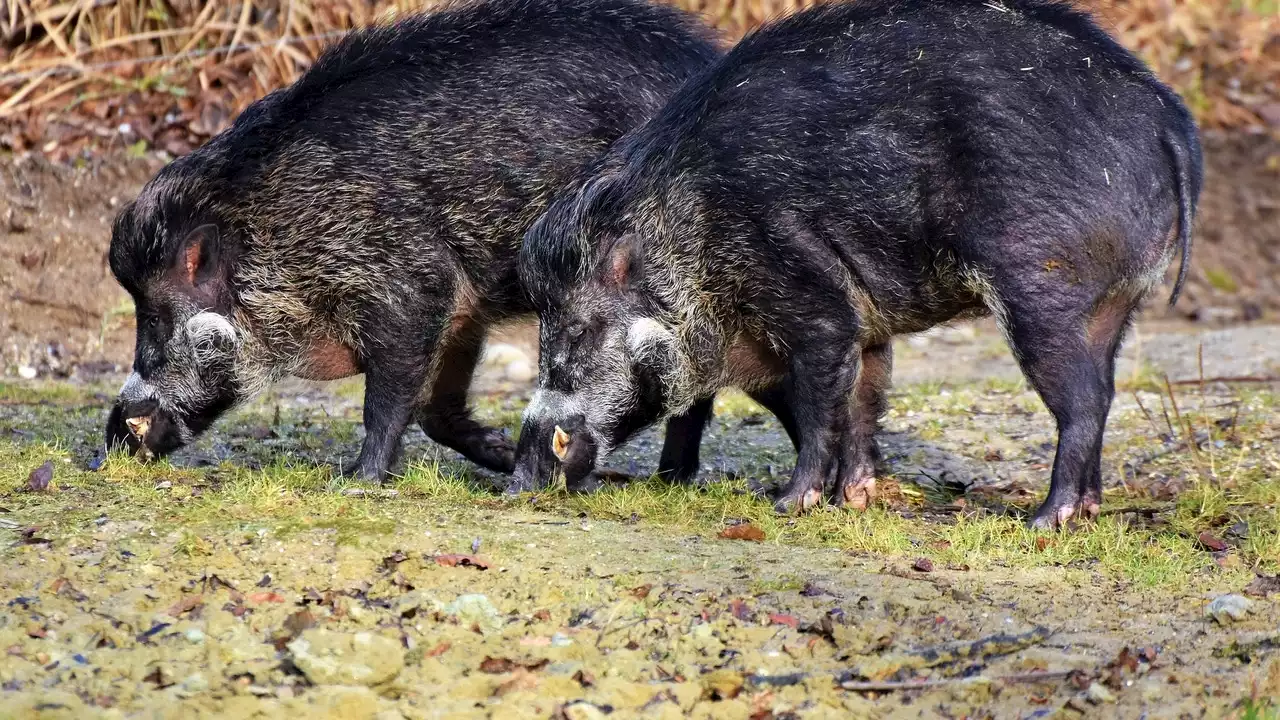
(137, 423)
(546, 446)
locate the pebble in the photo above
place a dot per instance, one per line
(475, 609)
(1228, 608)
(1097, 694)
(26, 372)
(194, 635)
(334, 658)
(194, 683)
(561, 640)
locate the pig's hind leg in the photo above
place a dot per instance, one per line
(1066, 338)
(444, 414)
(855, 484)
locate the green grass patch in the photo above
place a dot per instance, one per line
(1229, 491)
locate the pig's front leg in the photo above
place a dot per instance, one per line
(819, 391)
(395, 370)
(679, 461)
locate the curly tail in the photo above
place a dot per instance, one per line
(1186, 207)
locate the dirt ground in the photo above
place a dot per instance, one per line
(241, 581)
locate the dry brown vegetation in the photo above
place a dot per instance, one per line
(176, 71)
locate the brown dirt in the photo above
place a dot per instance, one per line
(61, 311)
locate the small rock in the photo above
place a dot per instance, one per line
(1227, 608)
(333, 658)
(194, 683)
(581, 710)
(1098, 694)
(26, 372)
(164, 485)
(561, 640)
(194, 635)
(475, 609)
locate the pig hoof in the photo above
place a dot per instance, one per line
(1052, 518)
(858, 495)
(356, 471)
(789, 504)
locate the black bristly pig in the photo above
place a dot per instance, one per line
(367, 217)
(848, 174)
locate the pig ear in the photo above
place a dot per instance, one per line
(623, 267)
(200, 258)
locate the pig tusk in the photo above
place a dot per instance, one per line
(560, 443)
(139, 426)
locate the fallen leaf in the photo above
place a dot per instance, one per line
(521, 679)
(1262, 586)
(542, 615)
(780, 619)
(1211, 542)
(455, 560)
(266, 597)
(740, 610)
(211, 583)
(158, 676)
(186, 604)
(742, 531)
(1043, 542)
(298, 622)
(923, 565)
(641, 592)
(390, 562)
(497, 666)
(39, 480)
(438, 650)
(29, 537)
(64, 588)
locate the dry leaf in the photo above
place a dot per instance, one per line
(788, 620)
(1211, 542)
(1262, 586)
(39, 480)
(497, 666)
(63, 587)
(521, 679)
(455, 560)
(742, 531)
(641, 592)
(438, 650)
(186, 604)
(266, 597)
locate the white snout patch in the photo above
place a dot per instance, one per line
(646, 335)
(205, 326)
(550, 404)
